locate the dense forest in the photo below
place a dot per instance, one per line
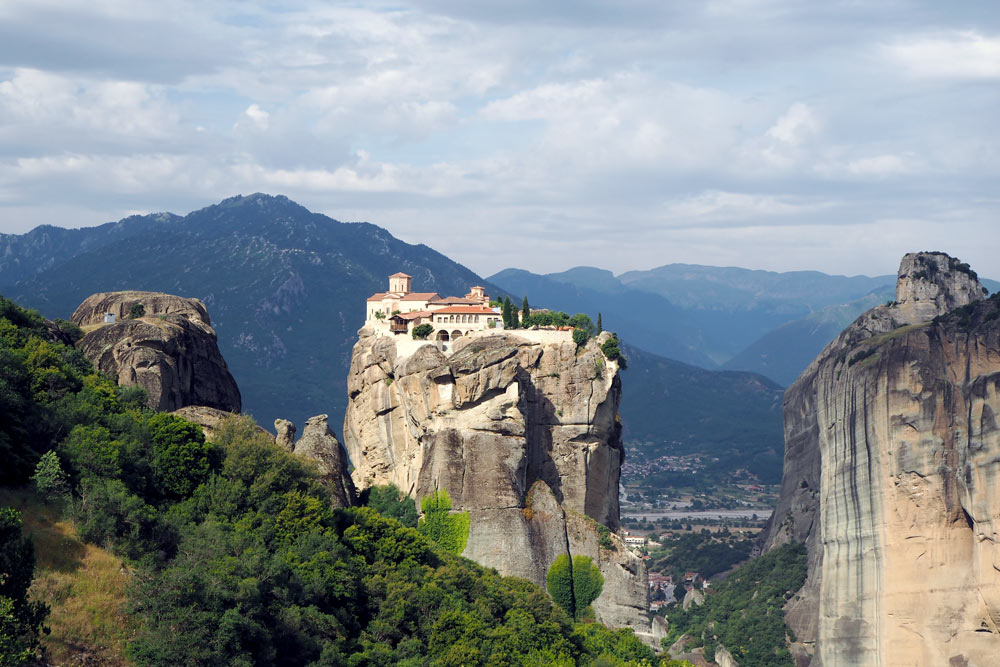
(745, 612)
(235, 554)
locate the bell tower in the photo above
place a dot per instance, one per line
(400, 283)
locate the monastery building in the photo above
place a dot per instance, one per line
(399, 310)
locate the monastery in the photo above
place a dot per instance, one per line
(399, 310)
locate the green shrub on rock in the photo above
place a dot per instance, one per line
(448, 530)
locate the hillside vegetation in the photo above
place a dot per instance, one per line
(83, 584)
(745, 613)
(233, 551)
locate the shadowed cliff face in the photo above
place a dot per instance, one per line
(891, 465)
(171, 351)
(522, 431)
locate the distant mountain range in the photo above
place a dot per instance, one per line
(714, 317)
(285, 287)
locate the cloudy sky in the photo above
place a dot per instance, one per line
(771, 134)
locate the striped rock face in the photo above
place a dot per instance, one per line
(892, 471)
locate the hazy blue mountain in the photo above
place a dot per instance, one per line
(698, 314)
(645, 320)
(285, 287)
(733, 288)
(782, 354)
(671, 407)
(23, 255)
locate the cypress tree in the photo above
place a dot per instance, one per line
(525, 310)
(600, 327)
(507, 314)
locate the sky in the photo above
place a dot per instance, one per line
(769, 134)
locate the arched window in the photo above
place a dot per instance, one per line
(477, 319)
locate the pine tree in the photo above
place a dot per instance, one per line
(49, 478)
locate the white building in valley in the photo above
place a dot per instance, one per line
(398, 310)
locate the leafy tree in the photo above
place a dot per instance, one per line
(136, 311)
(582, 321)
(422, 331)
(559, 583)
(181, 458)
(574, 584)
(20, 619)
(580, 337)
(611, 350)
(49, 478)
(69, 329)
(390, 502)
(447, 529)
(588, 582)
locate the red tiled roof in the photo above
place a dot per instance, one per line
(400, 274)
(416, 314)
(378, 296)
(458, 301)
(420, 296)
(464, 310)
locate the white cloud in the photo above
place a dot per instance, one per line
(963, 54)
(794, 125)
(674, 126)
(715, 207)
(257, 116)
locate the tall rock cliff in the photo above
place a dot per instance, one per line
(522, 430)
(892, 465)
(171, 351)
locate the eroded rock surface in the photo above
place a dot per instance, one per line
(320, 444)
(285, 431)
(522, 431)
(892, 471)
(172, 351)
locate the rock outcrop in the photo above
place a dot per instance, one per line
(320, 444)
(892, 471)
(119, 304)
(285, 431)
(171, 351)
(208, 418)
(522, 430)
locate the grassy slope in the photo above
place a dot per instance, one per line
(83, 584)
